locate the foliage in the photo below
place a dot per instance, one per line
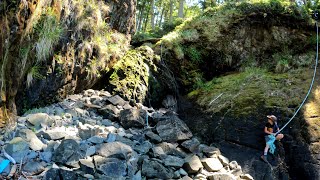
(34, 73)
(49, 32)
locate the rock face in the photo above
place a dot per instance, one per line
(173, 129)
(70, 148)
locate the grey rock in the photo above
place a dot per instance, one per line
(111, 167)
(223, 160)
(52, 174)
(28, 135)
(86, 131)
(192, 164)
(67, 153)
(96, 139)
(39, 119)
(137, 176)
(212, 164)
(68, 174)
(17, 148)
(173, 130)
(46, 156)
(111, 137)
(114, 149)
(237, 171)
(176, 175)
(154, 169)
(173, 161)
(88, 176)
(87, 166)
(90, 151)
(116, 100)
(143, 148)
(106, 122)
(153, 137)
(158, 152)
(33, 167)
(211, 151)
(54, 135)
(233, 165)
(192, 145)
(109, 112)
(222, 176)
(183, 172)
(172, 149)
(125, 141)
(133, 118)
(31, 155)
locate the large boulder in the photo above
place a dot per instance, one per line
(114, 150)
(173, 129)
(28, 135)
(192, 164)
(154, 169)
(133, 118)
(39, 119)
(67, 153)
(17, 148)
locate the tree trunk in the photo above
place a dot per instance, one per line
(152, 14)
(171, 11)
(161, 17)
(180, 13)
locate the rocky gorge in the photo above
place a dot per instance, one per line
(95, 135)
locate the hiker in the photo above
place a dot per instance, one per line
(271, 128)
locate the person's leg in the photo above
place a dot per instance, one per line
(279, 136)
(265, 152)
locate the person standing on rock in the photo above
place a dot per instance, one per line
(271, 128)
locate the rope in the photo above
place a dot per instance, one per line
(314, 75)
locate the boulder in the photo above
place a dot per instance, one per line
(133, 118)
(111, 167)
(223, 160)
(212, 164)
(86, 131)
(28, 135)
(173, 161)
(211, 151)
(33, 167)
(46, 156)
(192, 145)
(39, 119)
(173, 129)
(109, 112)
(87, 166)
(192, 164)
(154, 169)
(172, 149)
(153, 137)
(116, 100)
(143, 148)
(114, 149)
(54, 134)
(67, 153)
(17, 148)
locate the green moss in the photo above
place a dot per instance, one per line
(132, 75)
(246, 93)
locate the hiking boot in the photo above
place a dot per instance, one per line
(264, 158)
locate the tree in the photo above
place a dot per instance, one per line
(180, 12)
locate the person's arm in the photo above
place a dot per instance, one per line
(266, 130)
(276, 126)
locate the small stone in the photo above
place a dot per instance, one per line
(222, 176)
(186, 178)
(88, 176)
(233, 165)
(137, 176)
(237, 171)
(211, 151)
(111, 138)
(96, 139)
(153, 137)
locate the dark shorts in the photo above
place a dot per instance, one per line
(266, 138)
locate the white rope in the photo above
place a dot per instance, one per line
(314, 75)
